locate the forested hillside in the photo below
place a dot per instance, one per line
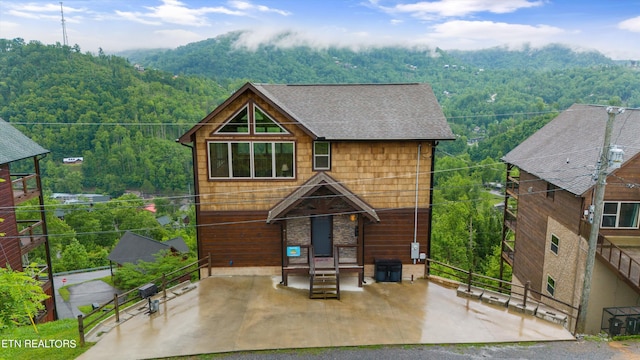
(123, 121)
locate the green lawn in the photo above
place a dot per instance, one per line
(52, 341)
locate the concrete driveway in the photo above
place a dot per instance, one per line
(84, 289)
(236, 313)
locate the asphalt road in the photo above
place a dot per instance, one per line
(84, 292)
(566, 350)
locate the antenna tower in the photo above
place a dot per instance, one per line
(65, 40)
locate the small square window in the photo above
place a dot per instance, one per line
(555, 243)
(551, 285)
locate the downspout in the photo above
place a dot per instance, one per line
(433, 172)
(43, 216)
(282, 251)
(196, 190)
(415, 212)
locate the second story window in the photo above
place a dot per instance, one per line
(321, 155)
(555, 244)
(251, 160)
(620, 215)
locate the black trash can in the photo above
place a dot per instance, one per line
(615, 326)
(395, 272)
(388, 270)
(382, 270)
(632, 327)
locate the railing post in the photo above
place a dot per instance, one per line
(427, 268)
(81, 329)
(526, 293)
(209, 261)
(164, 286)
(116, 307)
(469, 281)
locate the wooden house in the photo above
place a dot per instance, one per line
(548, 206)
(23, 235)
(291, 176)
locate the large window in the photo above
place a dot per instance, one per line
(251, 159)
(620, 215)
(321, 155)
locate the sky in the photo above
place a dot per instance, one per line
(611, 27)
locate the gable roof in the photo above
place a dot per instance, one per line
(354, 111)
(319, 180)
(133, 248)
(15, 146)
(565, 151)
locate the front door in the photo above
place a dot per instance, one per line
(321, 229)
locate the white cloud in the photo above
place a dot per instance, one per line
(430, 10)
(488, 33)
(136, 17)
(247, 6)
(632, 24)
(179, 13)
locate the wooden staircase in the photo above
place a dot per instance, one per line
(324, 281)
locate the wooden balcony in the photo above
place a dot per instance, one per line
(512, 187)
(622, 255)
(25, 187)
(508, 251)
(31, 235)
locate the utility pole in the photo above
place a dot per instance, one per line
(65, 40)
(603, 165)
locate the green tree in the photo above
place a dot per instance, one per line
(75, 257)
(21, 298)
(132, 275)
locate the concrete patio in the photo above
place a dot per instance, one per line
(236, 313)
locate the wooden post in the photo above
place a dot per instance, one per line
(526, 293)
(469, 281)
(81, 329)
(209, 259)
(116, 307)
(164, 286)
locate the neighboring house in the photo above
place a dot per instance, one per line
(548, 208)
(132, 248)
(283, 171)
(22, 236)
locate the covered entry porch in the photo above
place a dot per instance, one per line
(322, 231)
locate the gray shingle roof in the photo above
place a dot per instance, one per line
(363, 111)
(565, 151)
(133, 248)
(353, 111)
(15, 146)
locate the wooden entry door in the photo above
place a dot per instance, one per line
(321, 235)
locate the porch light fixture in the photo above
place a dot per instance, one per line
(352, 217)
